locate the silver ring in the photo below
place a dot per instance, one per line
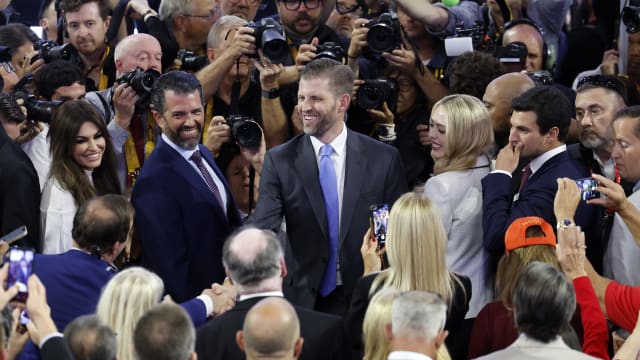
(581, 246)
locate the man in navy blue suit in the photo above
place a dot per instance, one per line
(539, 129)
(184, 208)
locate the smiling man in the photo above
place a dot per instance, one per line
(324, 181)
(539, 129)
(184, 207)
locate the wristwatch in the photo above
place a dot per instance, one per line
(271, 94)
(564, 223)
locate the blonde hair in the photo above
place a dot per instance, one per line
(469, 132)
(377, 317)
(416, 244)
(514, 262)
(125, 298)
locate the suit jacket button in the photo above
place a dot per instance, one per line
(324, 260)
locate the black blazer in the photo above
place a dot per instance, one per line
(56, 348)
(289, 187)
(323, 334)
(360, 302)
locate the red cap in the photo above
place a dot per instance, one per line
(515, 238)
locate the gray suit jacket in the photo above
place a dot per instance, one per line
(525, 348)
(290, 188)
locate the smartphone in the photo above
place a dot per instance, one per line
(587, 188)
(20, 268)
(379, 221)
(15, 235)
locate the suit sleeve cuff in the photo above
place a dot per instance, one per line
(48, 337)
(502, 172)
(208, 304)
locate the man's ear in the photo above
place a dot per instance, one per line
(179, 22)
(240, 340)
(211, 54)
(343, 102)
(107, 22)
(297, 348)
(554, 133)
(158, 118)
(388, 333)
(439, 340)
(283, 268)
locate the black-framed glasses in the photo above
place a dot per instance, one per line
(610, 82)
(210, 16)
(295, 4)
(343, 9)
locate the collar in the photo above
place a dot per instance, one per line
(410, 355)
(339, 143)
(261, 294)
(524, 340)
(636, 187)
(186, 154)
(538, 161)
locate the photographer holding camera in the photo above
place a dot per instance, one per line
(238, 94)
(125, 106)
(87, 22)
(20, 42)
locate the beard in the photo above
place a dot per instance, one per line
(591, 140)
(187, 144)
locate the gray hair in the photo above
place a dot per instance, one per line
(418, 315)
(544, 301)
(169, 9)
(90, 339)
(222, 26)
(265, 264)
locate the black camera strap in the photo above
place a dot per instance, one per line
(234, 107)
(252, 181)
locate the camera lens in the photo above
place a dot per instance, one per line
(380, 38)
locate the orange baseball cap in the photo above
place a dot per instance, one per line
(515, 237)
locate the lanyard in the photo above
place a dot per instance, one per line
(131, 155)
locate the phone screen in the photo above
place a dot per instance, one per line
(380, 219)
(588, 188)
(20, 268)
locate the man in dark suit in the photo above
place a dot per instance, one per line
(184, 208)
(539, 128)
(19, 192)
(598, 99)
(255, 263)
(323, 183)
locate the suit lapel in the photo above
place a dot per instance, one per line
(182, 167)
(355, 170)
(307, 168)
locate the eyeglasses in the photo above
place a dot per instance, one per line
(343, 9)
(606, 81)
(295, 4)
(210, 16)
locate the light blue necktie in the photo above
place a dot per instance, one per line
(329, 184)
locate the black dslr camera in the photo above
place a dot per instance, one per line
(270, 38)
(384, 34)
(372, 94)
(191, 61)
(245, 131)
(331, 51)
(513, 56)
(50, 51)
(140, 80)
(37, 110)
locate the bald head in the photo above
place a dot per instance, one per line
(498, 96)
(271, 330)
(138, 50)
(254, 261)
(532, 38)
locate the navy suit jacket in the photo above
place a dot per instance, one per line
(290, 187)
(180, 224)
(535, 199)
(323, 334)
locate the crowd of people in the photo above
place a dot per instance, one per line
(198, 179)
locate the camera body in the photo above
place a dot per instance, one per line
(373, 93)
(37, 110)
(191, 61)
(140, 80)
(514, 53)
(330, 50)
(50, 51)
(542, 77)
(631, 18)
(384, 34)
(269, 35)
(245, 131)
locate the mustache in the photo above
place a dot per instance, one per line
(303, 16)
